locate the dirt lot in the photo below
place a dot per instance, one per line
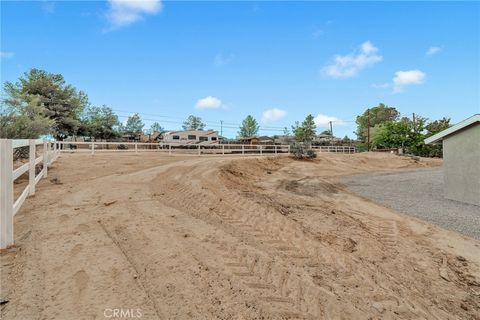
(226, 238)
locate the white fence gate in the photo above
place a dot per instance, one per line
(8, 205)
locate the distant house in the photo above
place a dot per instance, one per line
(130, 137)
(265, 140)
(461, 160)
(325, 138)
(256, 140)
(191, 137)
(248, 140)
(282, 139)
(152, 137)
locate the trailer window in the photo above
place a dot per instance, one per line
(214, 138)
(203, 138)
(176, 137)
(192, 137)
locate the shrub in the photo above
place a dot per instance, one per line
(300, 150)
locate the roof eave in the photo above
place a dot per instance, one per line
(442, 134)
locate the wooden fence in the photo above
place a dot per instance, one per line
(8, 205)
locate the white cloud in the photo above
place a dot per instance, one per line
(208, 103)
(6, 55)
(220, 59)
(272, 115)
(351, 64)
(406, 78)
(432, 50)
(124, 12)
(323, 120)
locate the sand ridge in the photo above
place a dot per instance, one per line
(223, 238)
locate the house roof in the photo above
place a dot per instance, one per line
(198, 132)
(459, 126)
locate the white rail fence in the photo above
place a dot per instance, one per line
(336, 149)
(8, 205)
(173, 149)
(195, 149)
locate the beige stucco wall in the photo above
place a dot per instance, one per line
(461, 165)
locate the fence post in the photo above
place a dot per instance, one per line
(223, 149)
(45, 159)
(136, 149)
(198, 149)
(243, 149)
(169, 149)
(31, 167)
(92, 147)
(50, 153)
(6, 193)
(260, 149)
(275, 149)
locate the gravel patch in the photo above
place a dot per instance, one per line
(418, 193)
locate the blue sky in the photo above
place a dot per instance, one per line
(278, 61)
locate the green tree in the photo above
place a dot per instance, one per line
(393, 135)
(305, 132)
(410, 134)
(134, 124)
(156, 127)
(378, 115)
(326, 133)
(249, 127)
(22, 120)
(193, 123)
(62, 102)
(101, 122)
(437, 126)
(435, 150)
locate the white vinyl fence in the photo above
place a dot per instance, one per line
(194, 149)
(8, 205)
(335, 149)
(173, 149)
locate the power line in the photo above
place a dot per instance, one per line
(215, 123)
(210, 125)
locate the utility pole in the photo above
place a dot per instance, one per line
(368, 129)
(331, 129)
(414, 127)
(221, 128)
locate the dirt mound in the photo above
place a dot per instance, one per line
(217, 238)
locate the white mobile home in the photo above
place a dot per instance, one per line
(191, 137)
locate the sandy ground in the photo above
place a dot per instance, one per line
(224, 238)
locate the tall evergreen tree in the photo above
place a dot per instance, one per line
(305, 132)
(134, 124)
(249, 127)
(193, 123)
(62, 102)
